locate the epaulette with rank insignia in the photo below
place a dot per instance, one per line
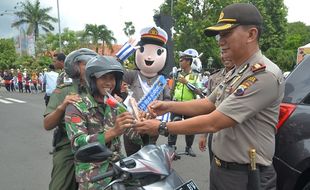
(63, 85)
(258, 67)
(58, 88)
(215, 71)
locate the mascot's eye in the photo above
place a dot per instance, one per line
(142, 49)
(160, 51)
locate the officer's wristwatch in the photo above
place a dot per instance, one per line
(163, 130)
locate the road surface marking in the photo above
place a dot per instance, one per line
(15, 100)
(5, 102)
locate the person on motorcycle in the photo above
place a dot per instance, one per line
(92, 120)
(63, 172)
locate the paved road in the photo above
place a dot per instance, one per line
(25, 162)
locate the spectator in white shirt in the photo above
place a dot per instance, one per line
(50, 81)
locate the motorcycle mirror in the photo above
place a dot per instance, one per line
(93, 152)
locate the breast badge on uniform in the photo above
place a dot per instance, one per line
(245, 85)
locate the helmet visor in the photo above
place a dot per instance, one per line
(99, 74)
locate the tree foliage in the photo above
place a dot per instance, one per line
(35, 17)
(7, 54)
(49, 42)
(102, 33)
(191, 17)
(129, 29)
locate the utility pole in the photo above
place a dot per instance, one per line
(59, 29)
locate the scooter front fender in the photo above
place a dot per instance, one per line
(170, 182)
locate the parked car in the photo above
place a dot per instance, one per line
(292, 155)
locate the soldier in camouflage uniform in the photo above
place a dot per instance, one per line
(63, 173)
(214, 80)
(91, 120)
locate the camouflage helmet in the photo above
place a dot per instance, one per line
(101, 65)
(74, 58)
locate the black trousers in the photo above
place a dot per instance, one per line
(46, 99)
(172, 139)
(228, 179)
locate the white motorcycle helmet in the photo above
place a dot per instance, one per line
(196, 63)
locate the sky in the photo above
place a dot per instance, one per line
(75, 14)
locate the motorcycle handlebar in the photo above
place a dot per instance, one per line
(110, 173)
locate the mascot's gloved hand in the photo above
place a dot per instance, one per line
(127, 50)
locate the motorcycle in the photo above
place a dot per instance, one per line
(149, 168)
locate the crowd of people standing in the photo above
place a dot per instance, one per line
(22, 81)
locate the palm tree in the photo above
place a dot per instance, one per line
(129, 29)
(102, 33)
(35, 17)
(106, 36)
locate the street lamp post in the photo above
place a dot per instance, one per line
(210, 61)
(59, 29)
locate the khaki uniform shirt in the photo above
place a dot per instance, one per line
(251, 95)
(215, 79)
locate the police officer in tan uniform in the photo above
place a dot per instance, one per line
(214, 80)
(242, 111)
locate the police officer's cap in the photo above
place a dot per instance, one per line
(189, 53)
(154, 35)
(234, 15)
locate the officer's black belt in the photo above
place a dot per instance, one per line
(235, 166)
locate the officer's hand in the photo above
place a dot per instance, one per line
(202, 143)
(123, 122)
(145, 115)
(157, 108)
(149, 127)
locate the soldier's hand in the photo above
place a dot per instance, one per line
(123, 122)
(202, 143)
(72, 98)
(119, 99)
(69, 99)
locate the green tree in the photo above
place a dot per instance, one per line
(107, 37)
(7, 54)
(35, 17)
(129, 29)
(100, 32)
(191, 17)
(298, 35)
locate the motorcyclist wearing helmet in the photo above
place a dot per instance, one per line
(92, 120)
(63, 173)
(182, 92)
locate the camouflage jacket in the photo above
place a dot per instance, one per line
(86, 122)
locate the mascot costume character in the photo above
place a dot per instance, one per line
(150, 59)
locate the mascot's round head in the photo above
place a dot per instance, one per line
(151, 56)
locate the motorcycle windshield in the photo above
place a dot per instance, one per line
(152, 159)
